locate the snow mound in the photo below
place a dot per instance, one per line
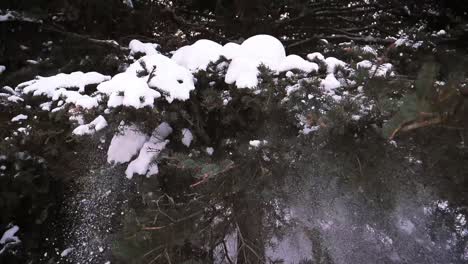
(125, 144)
(381, 70)
(369, 50)
(137, 46)
(292, 62)
(64, 86)
(150, 150)
(315, 55)
(173, 80)
(256, 50)
(88, 129)
(332, 63)
(245, 58)
(187, 137)
(230, 50)
(330, 83)
(9, 235)
(128, 90)
(264, 48)
(198, 55)
(49, 85)
(19, 118)
(2, 69)
(365, 64)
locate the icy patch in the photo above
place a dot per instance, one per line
(198, 55)
(125, 144)
(149, 151)
(137, 46)
(19, 118)
(187, 137)
(88, 129)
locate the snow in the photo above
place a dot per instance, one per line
(9, 235)
(369, 50)
(2, 69)
(243, 72)
(292, 62)
(381, 70)
(198, 55)
(330, 83)
(137, 46)
(128, 3)
(88, 129)
(13, 16)
(173, 80)
(19, 118)
(149, 151)
(187, 137)
(441, 33)
(316, 55)
(256, 50)
(264, 48)
(49, 85)
(64, 86)
(257, 143)
(125, 144)
(7, 17)
(209, 151)
(66, 252)
(365, 64)
(128, 90)
(230, 50)
(332, 63)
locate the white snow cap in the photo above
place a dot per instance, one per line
(330, 83)
(19, 118)
(88, 129)
(9, 235)
(292, 62)
(125, 144)
(128, 90)
(230, 50)
(169, 77)
(333, 63)
(64, 86)
(150, 150)
(137, 46)
(198, 55)
(365, 64)
(49, 85)
(315, 55)
(187, 137)
(256, 50)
